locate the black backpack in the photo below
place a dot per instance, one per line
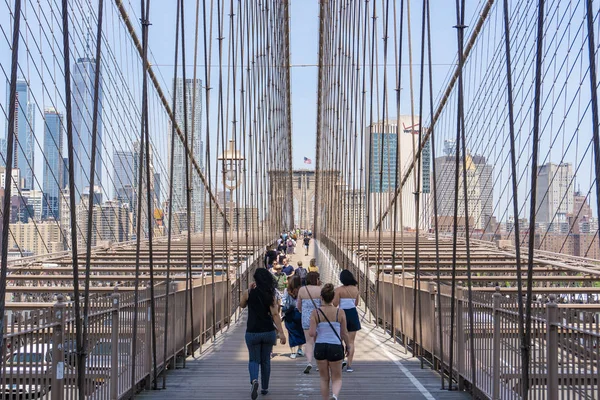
(301, 272)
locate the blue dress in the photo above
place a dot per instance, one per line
(293, 321)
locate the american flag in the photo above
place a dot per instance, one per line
(307, 160)
(414, 129)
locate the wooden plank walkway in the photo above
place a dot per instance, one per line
(382, 371)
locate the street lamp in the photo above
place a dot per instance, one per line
(232, 166)
(232, 169)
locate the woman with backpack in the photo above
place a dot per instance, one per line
(328, 329)
(292, 317)
(262, 329)
(301, 272)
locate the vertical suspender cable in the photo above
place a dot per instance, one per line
(397, 166)
(417, 194)
(221, 126)
(320, 88)
(150, 211)
(383, 134)
(594, 96)
(532, 205)
(513, 175)
(210, 210)
(81, 357)
(188, 195)
(69, 114)
(138, 245)
(460, 14)
(12, 102)
(435, 205)
(170, 209)
(454, 234)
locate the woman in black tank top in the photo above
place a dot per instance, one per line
(262, 328)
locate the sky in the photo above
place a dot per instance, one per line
(304, 43)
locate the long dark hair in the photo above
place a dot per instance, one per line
(265, 286)
(347, 278)
(295, 282)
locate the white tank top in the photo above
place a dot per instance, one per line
(324, 332)
(347, 303)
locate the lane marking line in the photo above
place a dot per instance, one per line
(402, 368)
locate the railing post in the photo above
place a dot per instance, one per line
(433, 320)
(114, 361)
(148, 349)
(552, 348)
(460, 338)
(496, 346)
(173, 325)
(58, 351)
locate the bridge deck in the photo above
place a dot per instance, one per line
(382, 371)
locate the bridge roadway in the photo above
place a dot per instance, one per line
(383, 370)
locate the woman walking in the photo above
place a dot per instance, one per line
(328, 328)
(261, 332)
(309, 297)
(293, 318)
(313, 266)
(347, 298)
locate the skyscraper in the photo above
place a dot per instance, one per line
(479, 187)
(3, 152)
(146, 186)
(486, 185)
(194, 113)
(24, 128)
(83, 106)
(53, 167)
(554, 198)
(391, 143)
(123, 161)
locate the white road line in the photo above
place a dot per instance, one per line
(402, 368)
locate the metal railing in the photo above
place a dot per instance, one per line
(565, 361)
(39, 344)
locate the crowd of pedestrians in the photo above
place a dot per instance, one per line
(321, 321)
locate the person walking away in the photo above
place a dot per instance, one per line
(292, 317)
(282, 246)
(313, 266)
(309, 297)
(287, 268)
(328, 329)
(347, 297)
(301, 272)
(262, 328)
(306, 244)
(270, 257)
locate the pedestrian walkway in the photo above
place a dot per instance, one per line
(382, 369)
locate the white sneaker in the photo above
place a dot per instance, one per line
(301, 353)
(293, 356)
